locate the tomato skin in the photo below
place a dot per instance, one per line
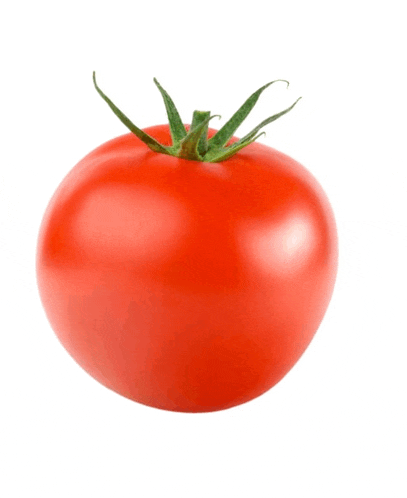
(183, 285)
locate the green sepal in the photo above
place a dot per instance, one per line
(177, 128)
(231, 150)
(221, 138)
(220, 155)
(147, 139)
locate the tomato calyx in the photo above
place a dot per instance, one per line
(193, 144)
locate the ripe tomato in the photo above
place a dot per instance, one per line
(185, 285)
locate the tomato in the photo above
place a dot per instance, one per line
(186, 285)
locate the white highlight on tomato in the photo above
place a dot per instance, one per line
(280, 248)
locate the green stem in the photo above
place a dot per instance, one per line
(196, 137)
(198, 118)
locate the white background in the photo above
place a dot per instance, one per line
(335, 426)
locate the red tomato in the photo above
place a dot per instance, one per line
(185, 285)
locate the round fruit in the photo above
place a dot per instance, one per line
(187, 271)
